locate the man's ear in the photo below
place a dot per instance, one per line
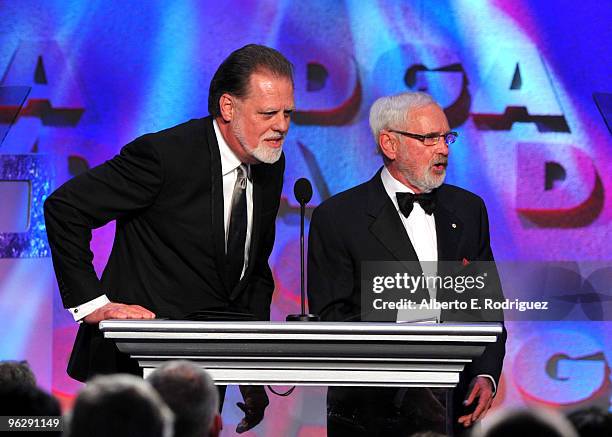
(227, 107)
(388, 145)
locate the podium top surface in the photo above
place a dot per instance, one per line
(310, 353)
(341, 328)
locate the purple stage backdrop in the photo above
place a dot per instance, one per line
(525, 83)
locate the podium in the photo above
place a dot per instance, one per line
(321, 353)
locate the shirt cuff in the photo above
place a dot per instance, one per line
(87, 308)
(492, 382)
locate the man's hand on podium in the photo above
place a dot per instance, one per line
(481, 387)
(255, 403)
(113, 310)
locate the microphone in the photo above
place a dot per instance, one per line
(303, 193)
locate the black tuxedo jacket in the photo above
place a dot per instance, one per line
(165, 191)
(362, 224)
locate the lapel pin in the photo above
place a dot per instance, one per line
(454, 225)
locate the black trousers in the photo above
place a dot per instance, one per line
(221, 389)
(388, 412)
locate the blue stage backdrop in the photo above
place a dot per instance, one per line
(526, 83)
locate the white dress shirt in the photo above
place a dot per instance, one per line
(229, 172)
(421, 229)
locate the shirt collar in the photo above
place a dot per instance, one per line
(393, 186)
(229, 160)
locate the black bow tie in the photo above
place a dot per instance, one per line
(426, 200)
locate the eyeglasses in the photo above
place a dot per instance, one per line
(430, 139)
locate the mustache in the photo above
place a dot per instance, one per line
(441, 160)
(279, 136)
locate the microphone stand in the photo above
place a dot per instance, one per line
(302, 317)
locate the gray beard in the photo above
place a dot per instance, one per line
(262, 153)
(265, 154)
(428, 182)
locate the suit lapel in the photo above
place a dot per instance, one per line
(387, 226)
(216, 181)
(448, 231)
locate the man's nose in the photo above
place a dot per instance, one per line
(281, 122)
(441, 147)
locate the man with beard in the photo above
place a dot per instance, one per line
(404, 213)
(195, 207)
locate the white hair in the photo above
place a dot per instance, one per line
(190, 392)
(390, 111)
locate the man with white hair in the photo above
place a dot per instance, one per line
(191, 395)
(404, 213)
(119, 405)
